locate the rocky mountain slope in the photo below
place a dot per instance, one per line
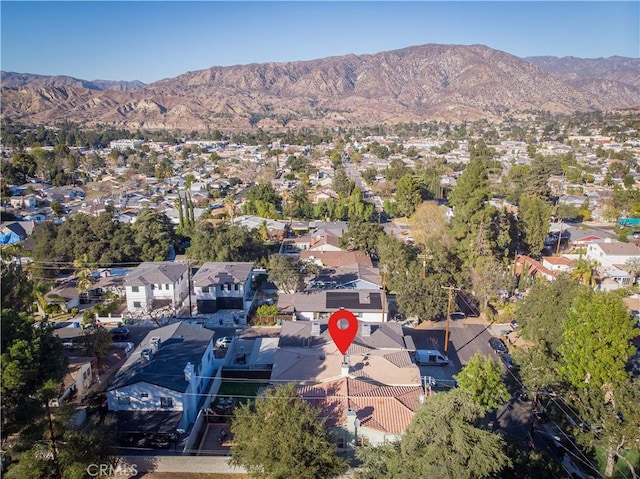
(420, 83)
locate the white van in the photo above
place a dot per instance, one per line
(431, 357)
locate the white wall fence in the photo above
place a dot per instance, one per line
(197, 429)
(191, 446)
(110, 319)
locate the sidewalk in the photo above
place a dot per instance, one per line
(182, 464)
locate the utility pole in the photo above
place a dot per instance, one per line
(54, 449)
(424, 257)
(559, 238)
(383, 293)
(446, 334)
(189, 286)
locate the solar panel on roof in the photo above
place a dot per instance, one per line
(349, 300)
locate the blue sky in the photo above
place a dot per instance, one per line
(151, 40)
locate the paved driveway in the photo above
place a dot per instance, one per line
(466, 338)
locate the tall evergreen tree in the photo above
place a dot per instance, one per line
(469, 202)
(535, 213)
(282, 436)
(442, 442)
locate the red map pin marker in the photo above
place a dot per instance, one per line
(343, 327)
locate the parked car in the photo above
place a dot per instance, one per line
(498, 346)
(223, 342)
(507, 360)
(430, 357)
(514, 324)
(457, 315)
(119, 333)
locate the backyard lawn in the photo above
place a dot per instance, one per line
(242, 390)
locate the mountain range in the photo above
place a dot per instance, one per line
(418, 83)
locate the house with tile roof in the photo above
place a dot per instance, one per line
(558, 263)
(219, 285)
(153, 285)
(324, 242)
(327, 259)
(361, 412)
(166, 377)
(371, 392)
(532, 268)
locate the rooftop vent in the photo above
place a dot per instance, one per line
(156, 342)
(146, 354)
(366, 330)
(315, 329)
(189, 372)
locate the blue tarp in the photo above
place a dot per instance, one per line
(629, 222)
(9, 238)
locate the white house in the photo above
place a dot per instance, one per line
(223, 286)
(610, 253)
(28, 202)
(156, 284)
(124, 144)
(558, 264)
(168, 372)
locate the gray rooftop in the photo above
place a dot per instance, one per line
(355, 300)
(222, 273)
(345, 275)
(161, 272)
(181, 343)
(382, 335)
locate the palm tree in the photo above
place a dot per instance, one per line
(83, 270)
(585, 270)
(11, 251)
(288, 200)
(40, 290)
(230, 206)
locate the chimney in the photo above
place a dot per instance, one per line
(189, 372)
(344, 367)
(155, 342)
(366, 330)
(315, 328)
(146, 354)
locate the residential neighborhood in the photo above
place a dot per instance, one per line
(200, 325)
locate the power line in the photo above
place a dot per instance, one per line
(584, 461)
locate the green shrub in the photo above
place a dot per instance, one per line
(267, 310)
